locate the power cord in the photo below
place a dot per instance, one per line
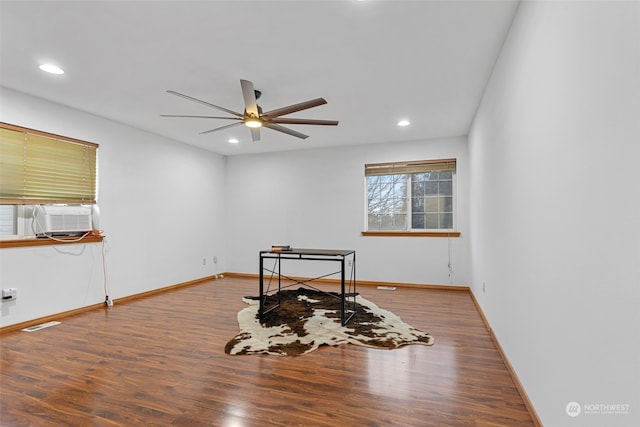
(108, 302)
(95, 233)
(449, 264)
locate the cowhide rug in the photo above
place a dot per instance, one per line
(308, 319)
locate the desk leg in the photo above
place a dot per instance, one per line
(342, 299)
(279, 281)
(261, 306)
(355, 291)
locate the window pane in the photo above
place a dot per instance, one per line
(400, 222)
(400, 189)
(373, 190)
(432, 221)
(446, 204)
(446, 175)
(373, 193)
(417, 188)
(400, 186)
(386, 222)
(8, 220)
(445, 188)
(417, 221)
(446, 220)
(400, 205)
(385, 190)
(431, 204)
(431, 188)
(417, 204)
(373, 222)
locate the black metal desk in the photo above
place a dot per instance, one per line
(347, 299)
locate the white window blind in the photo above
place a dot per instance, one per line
(37, 167)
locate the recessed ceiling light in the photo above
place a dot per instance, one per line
(233, 141)
(404, 123)
(49, 68)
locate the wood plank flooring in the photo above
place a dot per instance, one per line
(160, 361)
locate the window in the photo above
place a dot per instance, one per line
(42, 168)
(407, 196)
(8, 221)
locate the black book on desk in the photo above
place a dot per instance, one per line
(280, 248)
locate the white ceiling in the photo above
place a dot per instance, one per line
(375, 62)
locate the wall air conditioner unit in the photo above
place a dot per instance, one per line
(56, 220)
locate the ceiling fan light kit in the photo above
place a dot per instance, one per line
(253, 123)
(254, 118)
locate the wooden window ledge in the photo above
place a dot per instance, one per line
(412, 233)
(18, 243)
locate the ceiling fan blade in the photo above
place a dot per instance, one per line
(235, 113)
(293, 108)
(255, 134)
(286, 121)
(249, 95)
(221, 128)
(285, 130)
(201, 117)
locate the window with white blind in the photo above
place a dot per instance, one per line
(42, 168)
(411, 196)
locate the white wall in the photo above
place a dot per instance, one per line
(555, 207)
(161, 205)
(315, 198)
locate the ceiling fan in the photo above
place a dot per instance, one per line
(254, 118)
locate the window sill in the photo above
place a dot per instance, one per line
(19, 243)
(411, 233)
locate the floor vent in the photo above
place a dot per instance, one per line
(387, 288)
(41, 326)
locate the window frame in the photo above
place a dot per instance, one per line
(410, 168)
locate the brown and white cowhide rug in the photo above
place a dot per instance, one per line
(308, 319)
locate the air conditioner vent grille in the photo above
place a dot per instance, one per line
(64, 219)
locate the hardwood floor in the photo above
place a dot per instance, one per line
(160, 361)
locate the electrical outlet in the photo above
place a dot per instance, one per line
(484, 287)
(9, 294)
(204, 261)
(215, 259)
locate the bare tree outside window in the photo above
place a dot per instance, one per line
(387, 202)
